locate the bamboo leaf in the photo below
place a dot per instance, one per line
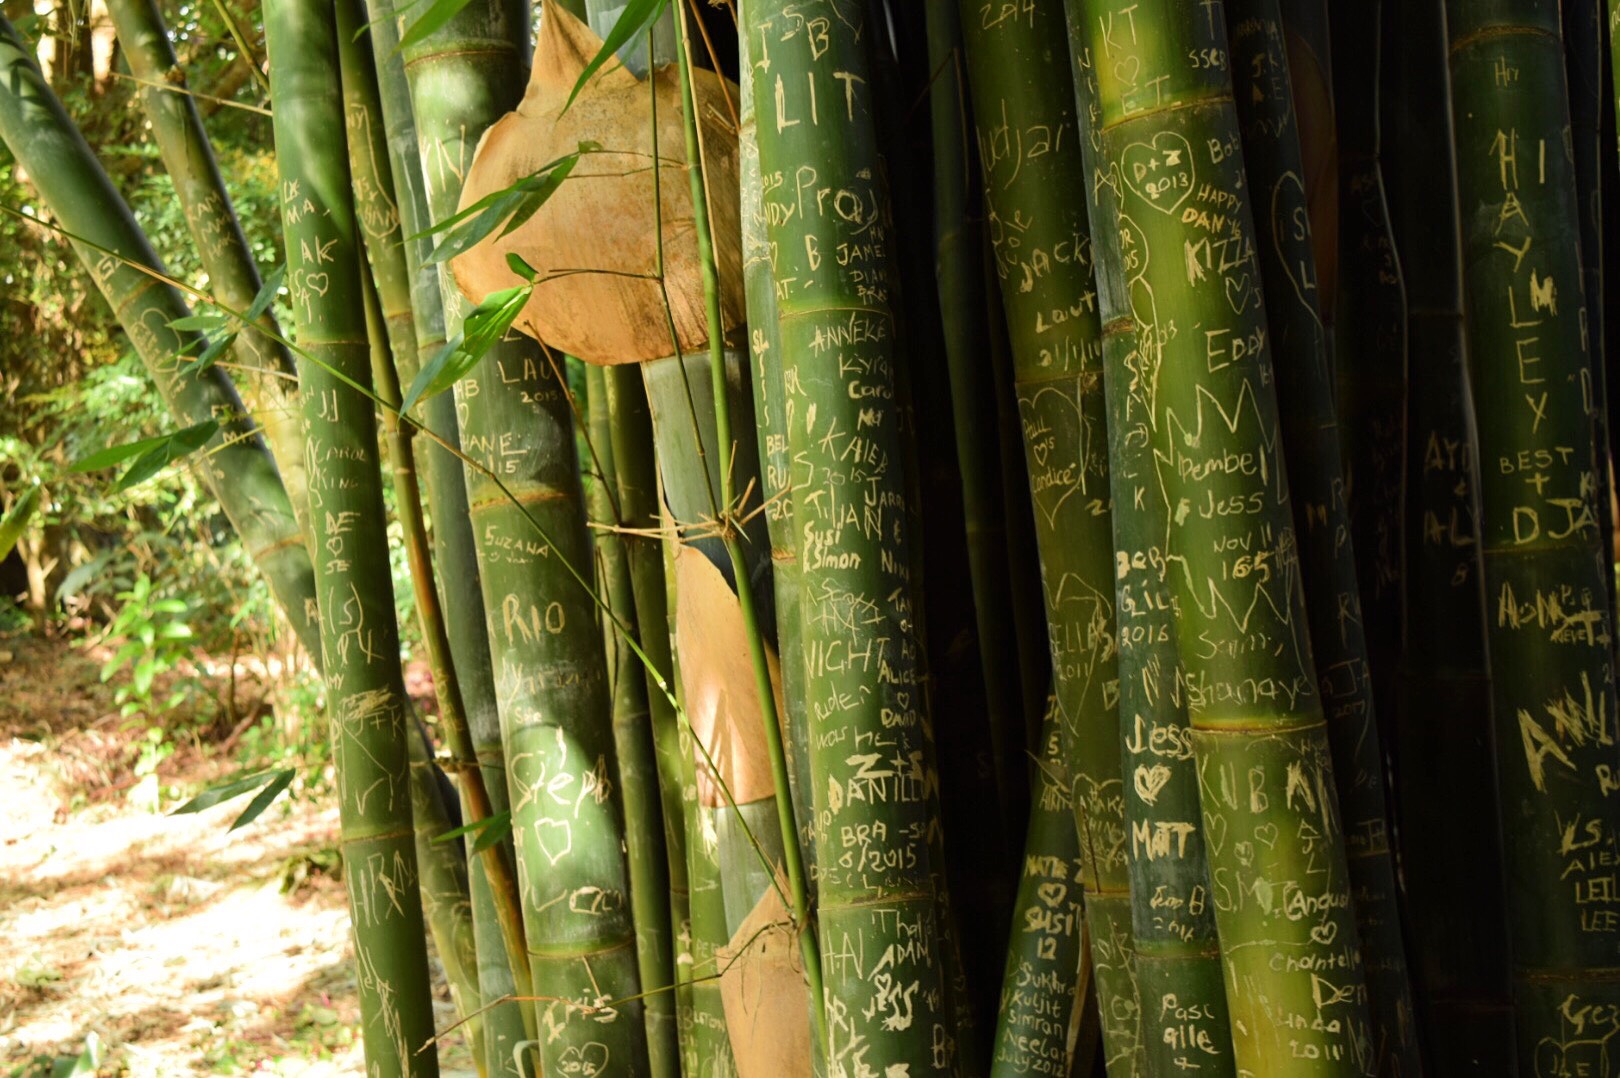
(500, 825)
(11, 528)
(485, 325)
(220, 793)
(500, 821)
(264, 797)
(433, 19)
(512, 205)
(180, 444)
(638, 15)
(151, 454)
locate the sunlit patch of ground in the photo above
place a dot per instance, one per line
(185, 949)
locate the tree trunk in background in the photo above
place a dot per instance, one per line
(84, 201)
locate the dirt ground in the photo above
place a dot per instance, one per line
(180, 949)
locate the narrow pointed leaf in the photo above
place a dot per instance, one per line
(170, 449)
(485, 325)
(11, 528)
(264, 797)
(637, 16)
(225, 791)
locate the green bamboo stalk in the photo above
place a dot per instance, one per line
(1448, 820)
(636, 482)
(1185, 1018)
(1043, 262)
(885, 1000)
(497, 916)
(707, 1053)
(269, 375)
(765, 380)
(1044, 971)
(446, 894)
(239, 470)
(391, 282)
(1583, 68)
(1348, 531)
(366, 693)
(633, 742)
(551, 673)
(959, 278)
(1170, 143)
(1546, 573)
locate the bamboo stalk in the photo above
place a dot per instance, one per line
(959, 279)
(1546, 573)
(636, 481)
(858, 635)
(233, 275)
(551, 673)
(1044, 266)
(1583, 69)
(497, 915)
(446, 894)
(1169, 139)
(1185, 1017)
(78, 193)
(633, 741)
(1348, 530)
(366, 699)
(1448, 821)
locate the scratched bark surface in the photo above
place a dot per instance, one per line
(551, 680)
(366, 703)
(1029, 149)
(1185, 1019)
(1545, 570)
(1280, 884)
(1349, 547)
(828, 218)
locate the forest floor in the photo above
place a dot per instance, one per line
(174, 946)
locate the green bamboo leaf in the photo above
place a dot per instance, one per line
(262, 800)
(219, 793)
(435, 17)
(513, 205)
(485, 325)
(11, 528)
(180, 444)
(638, 15)
(501, 822)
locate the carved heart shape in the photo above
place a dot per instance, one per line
(318, 283)
(1266, 834)
(1149, 781)
(1325, 933)
(1239, 292)
(1244, 852)
(1052, 893)
(585, 1062)
(1215, 833)
(1055, 443)
(555, 838)
(1127, 70)
(1160, 172)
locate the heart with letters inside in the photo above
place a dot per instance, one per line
(1160, 172)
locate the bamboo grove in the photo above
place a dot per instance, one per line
(1058, 537)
